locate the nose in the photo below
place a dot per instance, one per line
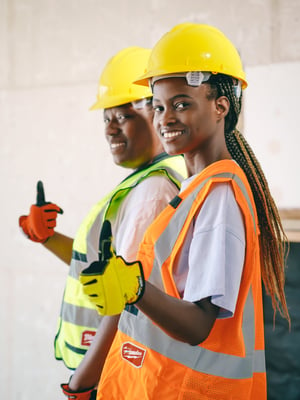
(112, 128)
(167, 117)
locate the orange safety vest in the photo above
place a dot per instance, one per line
(145, 363)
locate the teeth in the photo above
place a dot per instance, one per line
(171, 134)
(116, 145)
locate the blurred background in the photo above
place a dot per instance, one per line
(51, 56)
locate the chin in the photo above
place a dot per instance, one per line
(125, 164)
(171, 151)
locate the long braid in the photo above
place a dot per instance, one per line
(273, 240)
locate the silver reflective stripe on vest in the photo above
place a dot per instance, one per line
(195, 357)
(82, 315)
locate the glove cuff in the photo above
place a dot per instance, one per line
(88, 394)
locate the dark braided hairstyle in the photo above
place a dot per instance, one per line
(273, 240)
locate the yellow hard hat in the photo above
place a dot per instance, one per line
(194, 47)
(116, 85)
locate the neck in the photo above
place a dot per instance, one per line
(157, 157)
(197, 163)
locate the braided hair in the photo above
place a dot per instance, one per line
(273, 240)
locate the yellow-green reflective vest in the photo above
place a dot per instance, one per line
(79, 319)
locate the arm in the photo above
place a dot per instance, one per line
(141, 206)
(205, 280)
(184, 321)
(61, 246)
(111, 283)
(88, 372)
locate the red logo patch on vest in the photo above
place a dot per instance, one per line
(133, 354)
(87, 337)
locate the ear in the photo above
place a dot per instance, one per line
(222, 106)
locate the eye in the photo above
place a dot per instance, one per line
(106, 120)
(180, 106)
(123, 117)
(158, 109)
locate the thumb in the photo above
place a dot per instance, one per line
(40, 196)
(105, 241)
(40, 199)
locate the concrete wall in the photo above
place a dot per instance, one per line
(51, 54)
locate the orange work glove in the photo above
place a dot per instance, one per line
(89, 394)
(39, 225)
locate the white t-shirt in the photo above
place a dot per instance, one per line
(138, 210)
(212, 258)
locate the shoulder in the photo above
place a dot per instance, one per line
(221, 190)
(221, 208)
(153, 187)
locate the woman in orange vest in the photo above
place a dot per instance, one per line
(193, 321)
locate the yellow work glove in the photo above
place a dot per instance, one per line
(111, 282)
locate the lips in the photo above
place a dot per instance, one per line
(171, 134)
(117, 145)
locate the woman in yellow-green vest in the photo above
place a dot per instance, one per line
(193, 323)
(79, 319)
(131, 207)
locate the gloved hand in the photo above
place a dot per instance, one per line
(89, 394)
(111, 282)
(39, 225)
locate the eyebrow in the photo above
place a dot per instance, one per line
(175, 97)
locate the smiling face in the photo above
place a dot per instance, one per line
(190, 122)
(131, 135)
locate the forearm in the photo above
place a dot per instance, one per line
(88, 372)
(182, 320)
(61, 246)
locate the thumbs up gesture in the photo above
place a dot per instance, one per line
(39, 225)
(111, 282)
